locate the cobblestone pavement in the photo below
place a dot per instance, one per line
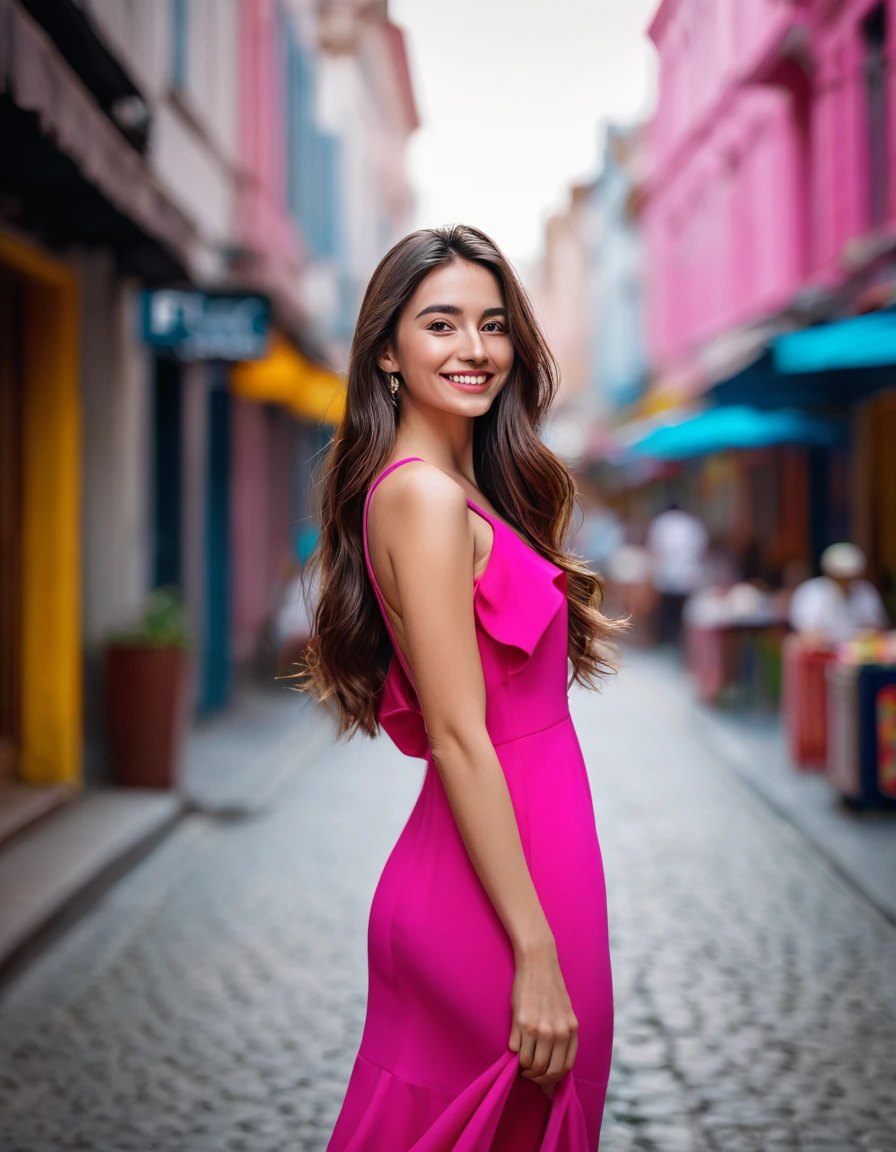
(213, 1001)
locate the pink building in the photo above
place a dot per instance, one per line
(267, 232)
(772, 169)
(269, 258)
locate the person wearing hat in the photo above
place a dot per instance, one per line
(838, 605)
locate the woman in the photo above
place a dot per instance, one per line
(448, 614)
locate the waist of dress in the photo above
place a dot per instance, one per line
(516, 737)
(545, 726)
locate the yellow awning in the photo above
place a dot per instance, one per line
(653, 403)
(285, 377)
(673, 388)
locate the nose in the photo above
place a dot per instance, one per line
(474, 351)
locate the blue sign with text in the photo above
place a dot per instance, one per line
(206, 326)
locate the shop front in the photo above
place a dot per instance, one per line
(239, 414)
(40, 681)
(197, 445)
(74, 189)
(875, 490)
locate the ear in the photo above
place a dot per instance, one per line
(386, 360)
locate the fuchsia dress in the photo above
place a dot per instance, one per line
(434, 1072)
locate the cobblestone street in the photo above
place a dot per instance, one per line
(213, 1001)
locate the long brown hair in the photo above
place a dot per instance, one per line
(347, 658)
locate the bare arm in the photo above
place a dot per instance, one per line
(425, 522)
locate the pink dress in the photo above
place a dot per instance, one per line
(434, 1072)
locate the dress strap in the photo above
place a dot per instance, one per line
(385, 472)
(376, 588)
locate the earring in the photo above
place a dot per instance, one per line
(393, 386)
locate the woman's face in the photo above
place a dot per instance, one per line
(451, 347)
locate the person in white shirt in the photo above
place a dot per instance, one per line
(677, 543)
(838, 605)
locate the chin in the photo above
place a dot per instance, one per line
(467, 405)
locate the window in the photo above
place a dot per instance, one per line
(313, 159)
(874, 36)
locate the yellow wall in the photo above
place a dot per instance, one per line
(51, 729)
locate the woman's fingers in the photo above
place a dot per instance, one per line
(516, 1038)
(556, 1057)
(571, 1052)
(556, 1065)
(544, 1046)
(527, 1050)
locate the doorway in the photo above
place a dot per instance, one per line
(11, 326)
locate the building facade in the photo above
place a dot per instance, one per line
(588, 288)
(771, 214)
(619, 349)
(162, 159)
(85, 219)
(770, 168)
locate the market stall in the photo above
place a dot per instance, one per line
(861, 721)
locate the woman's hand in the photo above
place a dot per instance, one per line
(545, 1031)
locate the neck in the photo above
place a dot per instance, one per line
(444, 439)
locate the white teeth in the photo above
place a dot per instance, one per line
(468, 379)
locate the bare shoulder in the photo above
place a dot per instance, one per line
(419, 496)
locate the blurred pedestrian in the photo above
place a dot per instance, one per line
(677, 542)
(838, 605)
(488, 943)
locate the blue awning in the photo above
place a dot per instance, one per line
(726, 428)
(760, 385)
(862, 342)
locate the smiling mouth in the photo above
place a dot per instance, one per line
(467, 379)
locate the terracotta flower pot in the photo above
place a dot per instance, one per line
(147, 701)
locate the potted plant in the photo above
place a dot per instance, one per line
(147, 667)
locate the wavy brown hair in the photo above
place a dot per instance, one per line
(347, 659)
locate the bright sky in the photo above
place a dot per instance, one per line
(511, 93)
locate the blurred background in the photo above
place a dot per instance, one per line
(700, 197)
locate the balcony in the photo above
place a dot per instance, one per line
(775, 35)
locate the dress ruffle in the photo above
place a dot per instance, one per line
(468, 1123)
(400, 715)
(517, 597)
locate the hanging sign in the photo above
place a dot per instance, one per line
(206, 325)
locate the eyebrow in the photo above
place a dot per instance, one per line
(453, 310)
